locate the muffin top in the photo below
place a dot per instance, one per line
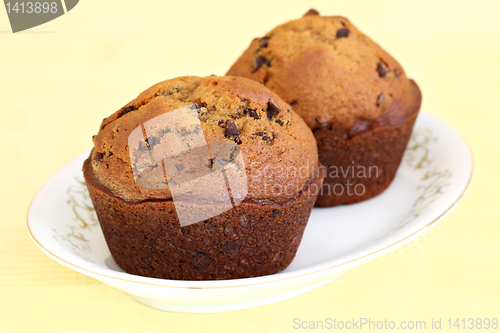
(329, 72)
(277, 148)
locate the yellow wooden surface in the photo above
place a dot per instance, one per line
(58, 80)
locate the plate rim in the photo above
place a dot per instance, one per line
(313, 271)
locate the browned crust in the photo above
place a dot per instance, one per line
(290, 144)
(355, 97)
(379, 148)
(327, 80)
(252, 239)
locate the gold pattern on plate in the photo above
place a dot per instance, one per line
(432, 180)
(79, 200)
(417, 151)
(84, 221)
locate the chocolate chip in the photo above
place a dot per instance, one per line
(274, 212)
(98, 158)
(322, 123)
(266, 138)
(200, 104)
(238, 140)
(342, 33)
(231, 128)
(200, 261)
(128, 109)
(279, 122)
(382, 69)
(103, 126)
(293, 103)
(380, 99)
(221, 122)
(312, 12)
(384, 101)
(272, 110)
(263, 42)
(252, 113)
(259, 61)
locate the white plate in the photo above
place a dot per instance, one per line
(434, 175)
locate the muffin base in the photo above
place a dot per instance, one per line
(363, 165)
(251, 239)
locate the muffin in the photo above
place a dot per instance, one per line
(204, 178)
(352, 94)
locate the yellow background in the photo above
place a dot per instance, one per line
(58, 80)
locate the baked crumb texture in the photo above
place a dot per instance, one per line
(353, 95)
(257, 236)
(276, 144)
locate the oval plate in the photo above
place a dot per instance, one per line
(434, 174)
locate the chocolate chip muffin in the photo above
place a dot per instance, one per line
(204, 178)
(352, 94)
